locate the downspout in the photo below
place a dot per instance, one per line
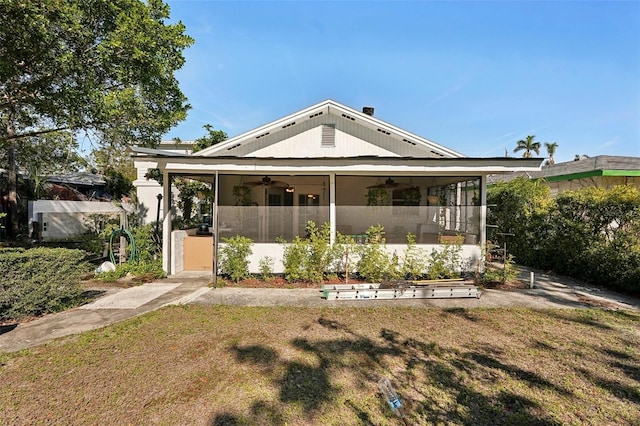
(214, 222)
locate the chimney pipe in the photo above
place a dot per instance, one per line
(368, 110)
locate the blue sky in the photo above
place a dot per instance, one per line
(473, 76)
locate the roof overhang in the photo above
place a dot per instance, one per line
(352, 165)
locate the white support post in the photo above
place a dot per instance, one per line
(332, 206)
(166, 223)
(483, 211)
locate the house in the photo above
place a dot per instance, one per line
(603, 171)
(328, 163)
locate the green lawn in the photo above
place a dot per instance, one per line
(221, 365)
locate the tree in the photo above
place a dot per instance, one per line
(102, 66)
(528, 145)
(47, 154)
(213, 137)
(551, 150)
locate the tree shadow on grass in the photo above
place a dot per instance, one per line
(310, 383)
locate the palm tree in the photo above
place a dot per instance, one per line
(528, 145)
(551, 150)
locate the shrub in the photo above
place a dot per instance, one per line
(445, 262)
(234, 257)
(507, 273)
(374, 261)
(310, 258)
(266, 268)
(40, 280)
(346, 255)
(150, 269)
(413, 264)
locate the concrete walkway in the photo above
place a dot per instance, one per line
(121, 304)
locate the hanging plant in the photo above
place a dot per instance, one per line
(411, 196)
(242, 194)
(378, 197)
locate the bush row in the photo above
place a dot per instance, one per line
(591, 234)
(40, 280)
(313, 258)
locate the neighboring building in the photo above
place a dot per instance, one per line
(330, 164)
(148, 190)
(603, 171)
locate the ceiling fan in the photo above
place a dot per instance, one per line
(390, 184)
(267, 181)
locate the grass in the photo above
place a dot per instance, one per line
(223, 365)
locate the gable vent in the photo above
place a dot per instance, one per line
(262, 135)
(289, 125)
(383, 131)
(348, 117)
(328, 136)
(316, 114)
(409, 142)
(234, 146)
(437, 153)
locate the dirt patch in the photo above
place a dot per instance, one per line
(511, 285)
(595, 303)
(280, 282)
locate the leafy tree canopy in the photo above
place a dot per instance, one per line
(100, 66)
(212, 138)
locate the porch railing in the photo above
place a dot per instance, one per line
(430, 224)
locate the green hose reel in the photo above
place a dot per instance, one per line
(115, 235)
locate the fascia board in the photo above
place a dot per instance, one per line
(388, 166)
(251, 134)
(375, 122)
(327, 106)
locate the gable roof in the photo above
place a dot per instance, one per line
(328, 129)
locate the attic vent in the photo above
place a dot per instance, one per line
(316, 114)
(383, 131)
(328, 136)
(437, 153)
(289, 125)
(408, 141)
(234, 146)
(262, 135)
(348, 117)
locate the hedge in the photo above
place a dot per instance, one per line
(591, 234)
(39, 281)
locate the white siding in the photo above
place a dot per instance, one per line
(308, 144)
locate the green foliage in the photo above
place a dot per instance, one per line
(234, 257)
(266, 268)
(520, 207)
(117, 184)
(591, 234)
(378, 197)
(445, 262)
(310, 258)
(213, 137)
(528, 145)
(189, 189)
(151, 269)
(507, 273)
(40, 280)
(346, 254)
(413, 264)
(242, 195)
(375, 262)
(103, 67)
